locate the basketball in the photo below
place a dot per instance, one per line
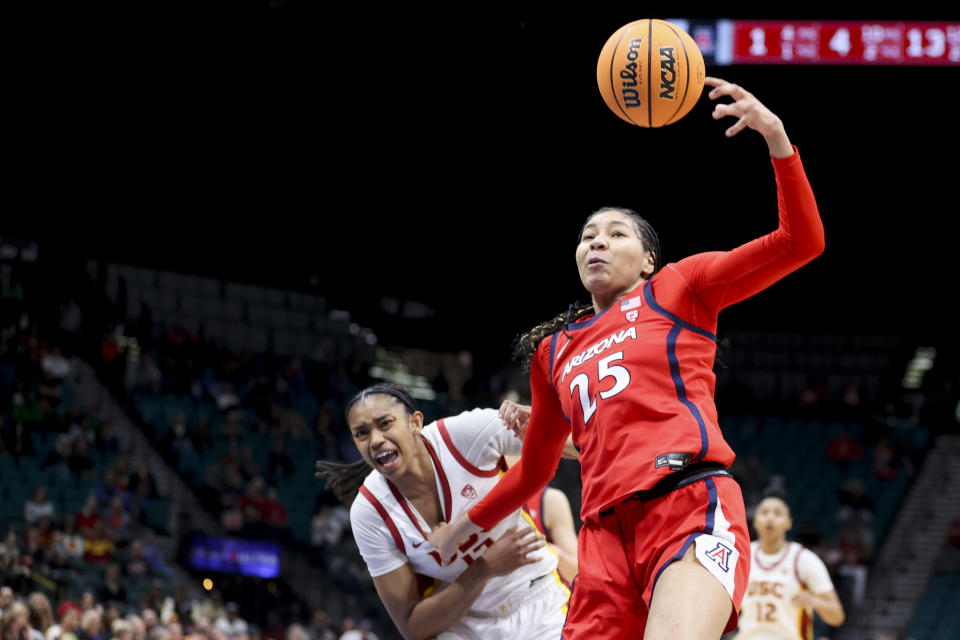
(650, 73)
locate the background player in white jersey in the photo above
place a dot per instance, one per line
(550, 508)
(788, 582)
(500, 583)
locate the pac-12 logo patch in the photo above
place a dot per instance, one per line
(469, 492)
(632, 315)
(721, 555)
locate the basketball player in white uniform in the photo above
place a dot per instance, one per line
(501, 583)
(788, 582)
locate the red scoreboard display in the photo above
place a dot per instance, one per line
(826, 42)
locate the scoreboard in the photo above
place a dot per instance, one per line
(825, 42)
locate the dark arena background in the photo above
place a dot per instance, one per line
(221, 222)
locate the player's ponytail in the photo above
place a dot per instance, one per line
(525, 345)
(345, 478)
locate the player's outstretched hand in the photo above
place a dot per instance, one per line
(513, 550)
(515, 417)
(751, 113)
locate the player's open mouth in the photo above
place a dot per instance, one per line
(387, 459)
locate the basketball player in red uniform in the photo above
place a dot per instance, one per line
(664, 551)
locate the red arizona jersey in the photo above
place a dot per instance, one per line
(635, 383)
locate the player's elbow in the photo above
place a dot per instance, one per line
(834, 617)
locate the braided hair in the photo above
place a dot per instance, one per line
(345, 478)
(525, 345)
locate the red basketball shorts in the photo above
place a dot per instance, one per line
(621, 556)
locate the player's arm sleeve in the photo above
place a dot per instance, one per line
(542, 446)
(376, 545)
(813, 573)
(481, 437)
(723, 278)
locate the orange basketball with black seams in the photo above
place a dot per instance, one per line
(650, 73)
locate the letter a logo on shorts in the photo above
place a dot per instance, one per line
(469, 492)
(721, 555)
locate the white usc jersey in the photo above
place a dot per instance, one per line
(767, 612)
(467, 452)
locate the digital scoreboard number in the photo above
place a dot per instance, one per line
(816, 42)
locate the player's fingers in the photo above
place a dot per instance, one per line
(737, 128)
(723, 110)
(735, 91)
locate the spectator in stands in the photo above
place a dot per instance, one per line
(9, 552)
(275, 516)
(231, 624)
(69, 615)
(141, 482)
(151, 552)
(91, 624)
(150, 621)
(330, 521)
(112, 589)
(145, 375)
(321, 628)
(352, 631)
(108, 488)
(41, 613)
(80, 461)
(231, 516)
(55, 365)
(121, 629)
(15, 624)
(98, 548)
(297, 632)
(26, 408)
(886, 460)
(843, 449)
(6, 598)
(137, 630)
(854, 502)
(118, 522)
(57, 551)
(39, 505)
(33, 555)
(177, 439)
(45, 531)
(50, 395)
(71, 541)
(88, 516)
(252, 504)
(279, 463)
(58, 460)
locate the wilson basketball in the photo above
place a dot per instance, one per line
(650, 73)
